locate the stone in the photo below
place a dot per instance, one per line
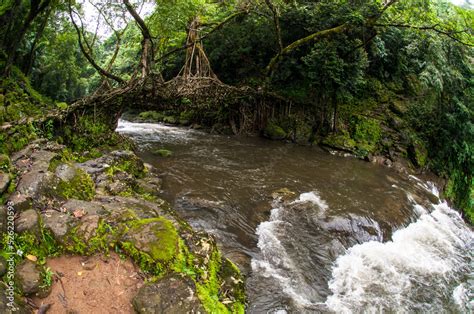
(172, 295)
(27, 221)
(65, 172)
(28, 277)
(155, 236)
(117, 187)
(151, 185)
(163, 152)
(274, 132)
(31, 182)
(89, 208)
(19, 306)
(87, 228)
(58, 223)
(4, 181)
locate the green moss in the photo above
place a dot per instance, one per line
(80, 187)
(186, 117)
(17, 138)
(418, 153)
(366, 132)
(274, 131)
(163, 152)
(152, 116)
(461, 193)
(340, 140)
(5, 163)
(164, 247)
(170, 119)
(62, 105)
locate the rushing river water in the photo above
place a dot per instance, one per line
(316, 232)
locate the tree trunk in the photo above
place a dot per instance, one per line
(36, 7)
(147, 58)
(30, 57)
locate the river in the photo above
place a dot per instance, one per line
(316, 232)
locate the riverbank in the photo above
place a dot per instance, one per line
(71, 203)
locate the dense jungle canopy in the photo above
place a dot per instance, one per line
(339, 64)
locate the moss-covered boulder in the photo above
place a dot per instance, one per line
(163, 152)
(170, 119)
(172, 294)
(418, 153)
(151, 116)
(12, 303)
(274, 131)
(156, 237)
(71, 182)
(341, 141)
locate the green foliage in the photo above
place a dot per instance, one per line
(17, 138)
(366, 132)
(46, 277)
(60, 70)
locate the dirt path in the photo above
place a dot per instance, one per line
(95, 284)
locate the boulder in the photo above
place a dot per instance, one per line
(58, 223)
(31, 182)
(11, 303)
(88, 208)
(155, 236)
(27, 221)
(4, 181)
(28, 277)
(172, 294)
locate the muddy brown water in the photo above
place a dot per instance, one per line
(353, 237)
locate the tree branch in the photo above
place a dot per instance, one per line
(276, 59)
(276, 22)
(87, 55)
(218, 26)
(147, 42)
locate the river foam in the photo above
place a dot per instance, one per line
(153, 132)
(276, 261)
(416, 271)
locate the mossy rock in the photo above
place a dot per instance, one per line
(340, 140)
(274, 131)
(151, 116)
(170, 119)
(9, 300)
(157, 237)
(163, 152)
(186, 117)
(72, 182)
(172, 294)
(418, 153)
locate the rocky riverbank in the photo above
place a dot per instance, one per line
(68, 204)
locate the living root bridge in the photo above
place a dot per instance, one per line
(244, 109)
